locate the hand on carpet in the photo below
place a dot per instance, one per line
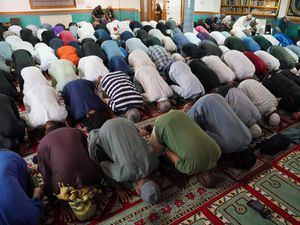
(122, 195)
(66, 213)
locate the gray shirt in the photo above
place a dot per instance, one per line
(130, 156)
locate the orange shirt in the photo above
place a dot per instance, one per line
(68, 53)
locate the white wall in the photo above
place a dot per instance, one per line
(23, 5)
(207, 5)
(282, 9)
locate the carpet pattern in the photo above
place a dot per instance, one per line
(273, 180)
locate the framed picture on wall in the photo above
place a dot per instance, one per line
(293, 9)
(42, 4)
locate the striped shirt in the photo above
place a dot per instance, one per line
(161, 58)
(121, 92)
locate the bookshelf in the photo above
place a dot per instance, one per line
(255, 7)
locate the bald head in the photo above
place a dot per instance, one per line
(133, 114)
(164, 106)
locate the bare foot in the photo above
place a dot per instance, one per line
(66, 213)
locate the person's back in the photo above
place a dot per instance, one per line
(7, 87)
(251, 44)
(135, 43)
(68, 53)
(62, 71)
(45, 55)
(262, 41)
(91, 48)
(211, 48)
(63, 157)
(111, 49)
(186, 84)
(139, 58)
(197, 151)
(239, 63)
(80, 98)
(42, 104)
(121, 91)
(261, 68)
(155, 87)
(215, 116)
(131, 156)
(206, 76)
(223, 72)
(16, 207)
(262, 98)
(283, 55)
(32, 76)
(271, 62)
(161, 58)
(11, 127)
(235, 43)
(91, 67)
(6, 50)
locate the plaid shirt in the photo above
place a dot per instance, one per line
(161, 58)
(262, 98)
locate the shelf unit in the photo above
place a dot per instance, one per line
(268, 8)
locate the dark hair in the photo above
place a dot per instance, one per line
(94, 121)
(55, 126)
(73, 24)
(244, 159)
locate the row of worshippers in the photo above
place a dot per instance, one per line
(186, 86)
(248, 24)
(107, 139)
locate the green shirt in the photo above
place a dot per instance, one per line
(197, 151)
(131, 157)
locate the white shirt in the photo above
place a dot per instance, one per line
(224, 48)
(155, 87)
(192, 38)
(135, 43)
(223, 72)
(113, 27)
(242, 23)
(218, 36)
(32, 77)
(63, 71)
(153, 23)
(238, 33)
(24, 45)
(44, 55)
(156, 33)
(91, 67)
(16, 29)
(262, 98)
(188, 86)
(42, 105)
(169, 44)
(271, 39)
(124, 26)
(178, 57)
(85, 32)
(144, 23)
(272, 62)
(239, 63)
(12, 40)
(139, 58)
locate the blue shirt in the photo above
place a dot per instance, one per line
(111, 49)
(80, 98)
(250, 44)
(15, 206)
(118, 63)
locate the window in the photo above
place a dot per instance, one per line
(42, 4)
